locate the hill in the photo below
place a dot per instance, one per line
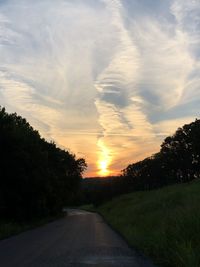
(163, 223)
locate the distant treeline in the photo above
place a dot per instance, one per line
(36, 177)
(178, 161)
(98, 190)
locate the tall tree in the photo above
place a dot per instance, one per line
(36, 177)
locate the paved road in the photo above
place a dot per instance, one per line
(82, 239)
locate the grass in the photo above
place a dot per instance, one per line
(10, 228)
(164, 224)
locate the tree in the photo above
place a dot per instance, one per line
(36, 177)
(178, 161)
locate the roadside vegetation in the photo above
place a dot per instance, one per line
(164, 224)
(36, 177)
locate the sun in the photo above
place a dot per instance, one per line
(103, 168)
(104, 159)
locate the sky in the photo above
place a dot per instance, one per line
(107, 80)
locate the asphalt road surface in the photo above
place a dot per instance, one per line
(80, 239)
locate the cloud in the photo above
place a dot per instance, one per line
(148, 74)
(166, 64)
(187, 15)
(108, 78)
(47, 68)
(116, 82)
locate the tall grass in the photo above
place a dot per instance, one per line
(164, 223)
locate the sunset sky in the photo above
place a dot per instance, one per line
(106, 79)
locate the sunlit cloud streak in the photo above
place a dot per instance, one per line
(107, 79)
(157, 67)
(116, 85)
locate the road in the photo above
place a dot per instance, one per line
(81, 239)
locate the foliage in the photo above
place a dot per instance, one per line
(36, 177)
(178, 161)
(164, 224)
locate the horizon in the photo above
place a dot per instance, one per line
(107, 80)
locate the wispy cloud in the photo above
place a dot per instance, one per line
(108, 78)
(148, 74)
(117, 83)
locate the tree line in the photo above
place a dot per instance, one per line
(178, 161)
(36, 177)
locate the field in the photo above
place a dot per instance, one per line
(164, 224)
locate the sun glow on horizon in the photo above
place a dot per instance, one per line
(104, 159)
(103, 166)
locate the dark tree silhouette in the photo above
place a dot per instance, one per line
(178, 161)
(181, 152)
(36, 177)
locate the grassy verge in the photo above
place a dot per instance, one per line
(164, 223)
(10, 228)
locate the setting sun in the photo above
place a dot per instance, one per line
(103, 165)
(104, 159)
